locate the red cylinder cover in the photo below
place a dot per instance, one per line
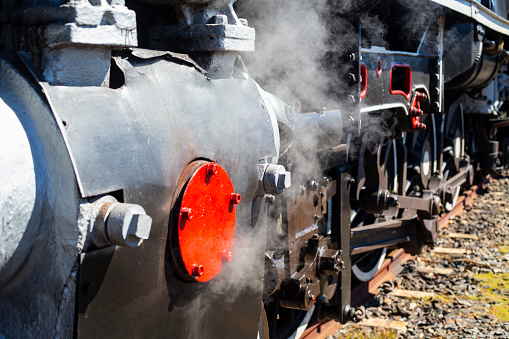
(206, 224)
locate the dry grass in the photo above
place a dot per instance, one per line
(494, 291)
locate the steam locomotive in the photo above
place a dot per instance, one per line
(161, 178)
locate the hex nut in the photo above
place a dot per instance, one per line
(128, 225)
(220, 19)
(276, 179)
(235, 198)
(270, 198)
(226, 256)
(329, 262)
(197, 270)
(212, 169)
(186, 213)
(284, 181)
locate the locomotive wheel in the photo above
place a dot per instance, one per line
(421, 157)
(283, 322)
(424, 144)
(452, 154)
(365, 265)
(391, 176)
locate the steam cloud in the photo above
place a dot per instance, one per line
(301, 48)
(298, 44)
(297, 47)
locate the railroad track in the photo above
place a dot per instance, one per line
(392, 266)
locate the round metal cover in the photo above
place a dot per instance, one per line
(206, 223)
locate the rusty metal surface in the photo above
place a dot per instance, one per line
(321, 330)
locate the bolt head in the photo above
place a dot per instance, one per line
(235, 198)
(197, 270)
(89, 288)
(226, 256)
(212, 169)
(285, 180)
(140, 226)
(276, 179)
(220, 19)
(128, 225)
(186, 213)
(379, 66)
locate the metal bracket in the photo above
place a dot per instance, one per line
(339, 307)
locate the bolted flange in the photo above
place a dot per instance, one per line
(276, 179)
(204, 224)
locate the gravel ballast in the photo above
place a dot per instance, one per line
(465, 278)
